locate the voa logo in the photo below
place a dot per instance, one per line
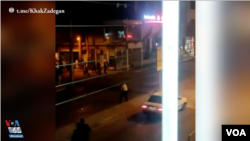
(236, 132)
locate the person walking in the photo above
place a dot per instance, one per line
(60, 70)
(124, 92)
(83, 64)
(93, 67)
(99, 68)
(57, 76)
(86, 71)
(105, 67)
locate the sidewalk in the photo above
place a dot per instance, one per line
(97, 120)
(78, 74)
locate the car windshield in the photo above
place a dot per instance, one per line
(155, 99)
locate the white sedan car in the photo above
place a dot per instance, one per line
(154, 104)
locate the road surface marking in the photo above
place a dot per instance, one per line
(109, 118)
(100, 124)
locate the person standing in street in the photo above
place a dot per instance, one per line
(124, 92)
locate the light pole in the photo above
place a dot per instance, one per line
(79, 48)
(79, 52)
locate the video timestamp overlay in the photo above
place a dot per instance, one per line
(236, 132)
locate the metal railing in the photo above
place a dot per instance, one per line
(119, 61)
(91, 61)
(191, 136)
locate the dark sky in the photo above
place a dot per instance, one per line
(90, 13)
(94, 13)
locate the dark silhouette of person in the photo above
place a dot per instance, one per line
(83, 65)
(85, 129)
(86, 71)
(124, 92)
(60, 69)
(105, 67)
(56, 71)
(99, 68)
(77, 134)
(107, 63)
(93, 66)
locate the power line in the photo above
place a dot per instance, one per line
(79, 97)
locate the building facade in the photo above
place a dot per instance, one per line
(118, 42)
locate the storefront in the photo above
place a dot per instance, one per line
(190, 45)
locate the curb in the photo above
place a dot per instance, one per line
(59, 89)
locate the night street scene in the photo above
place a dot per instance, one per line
(108, 85)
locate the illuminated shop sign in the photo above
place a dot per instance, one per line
(153, 17)
(129, 36)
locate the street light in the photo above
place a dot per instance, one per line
(80, 48)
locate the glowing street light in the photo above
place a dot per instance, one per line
(80, 49)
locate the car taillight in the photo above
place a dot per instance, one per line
(144, 106)
(159, 109)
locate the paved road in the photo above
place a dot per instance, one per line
(137, 127)
(127, 126)
(145, 82)
(100, 83)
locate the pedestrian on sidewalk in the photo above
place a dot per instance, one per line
(83, 64)
(60, 70)
(99, 68)
(57, 76)
(93, 67)
(124, 92)
(107, 63)
(85, 129)
(105, 67)
(86, 71)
